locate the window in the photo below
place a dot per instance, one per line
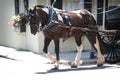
(100, 11)
(26, 4)
(16, 7)
(58, 4)
(88, 5)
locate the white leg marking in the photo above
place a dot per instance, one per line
(50, 57)
(101, 58)
(56, 65)
(78, 55)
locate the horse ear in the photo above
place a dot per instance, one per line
(30, 11)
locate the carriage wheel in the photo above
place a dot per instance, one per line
(111, 48)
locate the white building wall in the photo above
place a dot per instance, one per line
(7, 35)
(73, 4)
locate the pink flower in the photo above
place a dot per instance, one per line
(12, 23)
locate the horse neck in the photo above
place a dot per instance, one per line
(43, 16)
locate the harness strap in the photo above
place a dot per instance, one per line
(68, 23)
(53, 17)
(67, 18)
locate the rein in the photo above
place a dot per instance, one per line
(90, 30)
(117, 32)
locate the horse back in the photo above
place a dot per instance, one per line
(80, 18)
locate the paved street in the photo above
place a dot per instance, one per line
(24, 65)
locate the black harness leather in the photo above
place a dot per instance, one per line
(68, 23)
(52, 18)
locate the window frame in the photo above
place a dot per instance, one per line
(17, 9)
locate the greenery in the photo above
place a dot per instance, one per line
(19, 20)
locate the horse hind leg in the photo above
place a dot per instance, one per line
(93, 38)
(101, 58)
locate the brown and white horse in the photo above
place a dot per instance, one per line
(39, 17)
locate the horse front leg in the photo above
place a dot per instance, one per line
(56, 42)
(45, 50)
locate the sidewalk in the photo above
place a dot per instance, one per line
(24, 65)
(13, 54)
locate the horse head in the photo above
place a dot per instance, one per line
(33, 20)
(37, 19)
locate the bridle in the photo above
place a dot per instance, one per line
(35, 16)
(50, 23)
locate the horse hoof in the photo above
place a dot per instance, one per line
(99, 65)
(56, 68)
(74, 66)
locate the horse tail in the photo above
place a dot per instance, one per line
(99, 37)
(92, 19)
